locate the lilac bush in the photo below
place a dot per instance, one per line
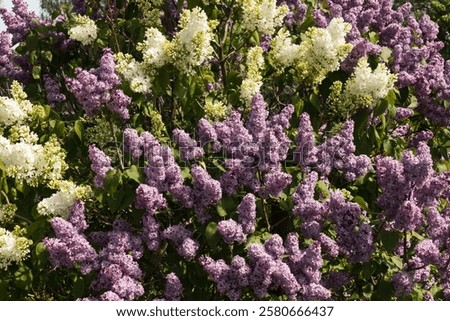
(220, 150)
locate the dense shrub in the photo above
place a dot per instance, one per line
(250, 149)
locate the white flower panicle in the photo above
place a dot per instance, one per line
(190, 48)
(7, 212)
(284, 53)
(253, 79)
(60, 203)
(262, 15)
(134, 72)
(16, 110)
(322, 50)
(84, 31)
(33, 163)
(13, 247)
(192, 44)
(366, 82)
(154, 48)
(215, 110)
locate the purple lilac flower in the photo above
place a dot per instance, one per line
(336, 279)
(174, 289)
(328, 245)
(206, 191)
(403, 113)
(100, 164)
(229, 279)
(19, 21)
(171, 15)
(296, 14)
(354, 236)
(275, 182)
(247, 213)
(207, 135)
(428, 252)
(265, 42)
(151, 232)
(79, 6)
(269, 270)
(70, 246)
(96, 87)
(149, 198)
(231, 231)
(311, 211)
(118, 270)
(132, 143)
(403, 283)
(188, 146)
(182, 239)
(306, 152)
(52, 88)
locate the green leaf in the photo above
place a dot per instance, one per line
(47, 55)
(36, 72)
(135, 173)
(361, 202)
(381, 107)
(78, 288)
(221, 211)
(314, 100)
(79, 130)
(212, 237)
(390, 240)
(397, 262)
(23, 277)
(111, 181)
(323, 188)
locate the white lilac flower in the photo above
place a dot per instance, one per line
(262, 15)
(154, 48)
(192, 44)
(13, 247)
(33, 163)
(322, 50)
(84, 30)
(372, 83)
(284, 53)
(16, 110)
(60, 203)
(253, 79)
(215, 110)
(134, 72)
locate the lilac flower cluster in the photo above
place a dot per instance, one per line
(188, 146)
(414, 44)
(12, 66)
(174, 289)
(53, 90)
(354, 234)
(19, 21)
(171, 16)
(296, 14)
(254, 151)
(337, 152)
(117, 267)
(118, 272)
(100, 164)
(409, 186)
(312, 212)
(206, 191)
(70, 246)
(161, 169)
(229, 279)
(233, 231)
(182, 239)
(97, 87)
